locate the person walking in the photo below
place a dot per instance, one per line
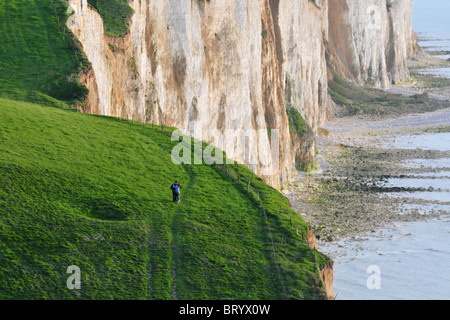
(176, 187)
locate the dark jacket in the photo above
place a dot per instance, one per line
(173, 187)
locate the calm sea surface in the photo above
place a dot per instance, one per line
(408, 260)
(431, 22)
(412, 259)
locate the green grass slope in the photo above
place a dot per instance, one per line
(39, 57)
(115, 15)
(93, 191)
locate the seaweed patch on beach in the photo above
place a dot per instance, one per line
(350, 196)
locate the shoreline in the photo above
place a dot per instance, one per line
(355, 217)
(343, 200)
(424, 78)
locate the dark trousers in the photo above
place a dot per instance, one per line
(176, 196)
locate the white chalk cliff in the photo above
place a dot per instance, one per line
(372, 40)
(211, 67)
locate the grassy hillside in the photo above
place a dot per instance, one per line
(94, 192)
(39, 58)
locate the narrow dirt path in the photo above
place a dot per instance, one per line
(175, 228)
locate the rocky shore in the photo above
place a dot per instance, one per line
(348, 196)
(425, 76)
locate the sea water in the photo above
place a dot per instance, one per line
(431, 24)
(410, 260)
(436, 141)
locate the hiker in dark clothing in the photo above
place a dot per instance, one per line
(176, 191)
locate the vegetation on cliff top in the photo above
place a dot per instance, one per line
(94, 192)
(115, 15)
(39, 56)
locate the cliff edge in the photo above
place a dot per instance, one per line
(250, 77)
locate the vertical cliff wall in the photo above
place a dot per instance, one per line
(208, 68)
(371, 41)
(304, 26)
(225, 71)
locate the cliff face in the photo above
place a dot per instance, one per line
(214, 69)
(225, 71)
(304, 26)
(371, 41)
(327, 275)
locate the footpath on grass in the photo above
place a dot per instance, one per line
(93, 191)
